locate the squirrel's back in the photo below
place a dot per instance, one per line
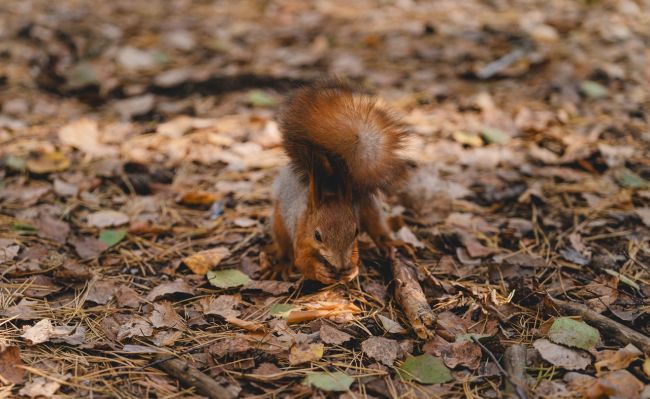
(329, 128)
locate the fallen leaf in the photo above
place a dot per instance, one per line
(44, 331)
(204, 261)
(198, 198)
(166, 337)
(577, 334)
(88, 247)
(593, 89)
(227, 278)
(628, 179)
(40, 387)
(112, 237)
(134, 106)
(303, 353)
(281, 310)
(494, 136)
(391, 326)
(107, 218)
(52, 229)
(65, 189)
(101, 292)
(424, 369)
(244, 222)
(135, 327)
(267, 369)
(258, 98)
(616, 359)
(382, 349)
(178, 286)
(462, 352)
(127, 297)
(23, 310)
(272, 287)
(164, 315)
(332, 336)
(83, 134)
(561, 356)
(73, 270)
(330, 382)
(8, 250)
(223, 305)
(50, 162)
(10, 363)
(644, 215)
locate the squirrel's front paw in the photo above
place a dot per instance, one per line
(389, 248)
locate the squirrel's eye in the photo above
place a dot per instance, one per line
(317, 236)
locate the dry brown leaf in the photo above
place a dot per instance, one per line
(178, 286)
(83, 134)
(49, 162)
(107, 218)
(382, 349)
(126, 296)
(464, 353)
(23, 310)
(303, 353)
(101, 292)
(223, 305)
(135, 327)
(272, 287)
(10, 363)
(88, 247)
(198, 198)
(164, 315)
(166, 337)
(40, 387)
(331, 335)
(558, 355)
(204, 261)
(44, 331)
(245, 324)
(616, 360)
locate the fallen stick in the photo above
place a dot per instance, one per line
(409, 295)
(519, 392)
(191, 376)
(514, 360)
(620, 332)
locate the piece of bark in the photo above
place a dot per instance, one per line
(514, 361)
(191, 376)
(409, 295)
(604, 324)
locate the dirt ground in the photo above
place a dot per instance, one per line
(138, 144)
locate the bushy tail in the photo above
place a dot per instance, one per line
(328, 128)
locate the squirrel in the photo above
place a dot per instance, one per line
(343, 149)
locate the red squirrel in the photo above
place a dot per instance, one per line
(343, 149)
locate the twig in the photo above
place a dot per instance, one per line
(617, 330)
(409, 295)
(192, 377)
(514, 360)
(520, 392)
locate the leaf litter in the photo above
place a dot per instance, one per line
(127, 155)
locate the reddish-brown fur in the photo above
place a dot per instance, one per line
(345, 148)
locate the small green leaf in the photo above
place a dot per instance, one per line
(628, 179)
(331, 382)
(623, 279)
(15, 163)
(22, 227)
(593, 89)
(495, 136)
(281, 310)
(112, 237)
(577, 334)
(425, 369)
(227, 278)
(259, 98)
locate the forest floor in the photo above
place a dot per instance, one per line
(137, 149)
